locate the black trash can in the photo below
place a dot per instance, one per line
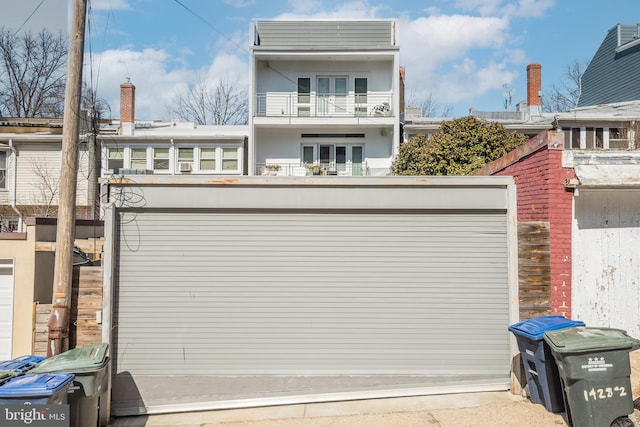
(594, 369)
(540, 367)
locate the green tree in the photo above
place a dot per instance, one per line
(461, 147)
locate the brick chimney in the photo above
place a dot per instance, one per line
(127, 107)
(534, 85)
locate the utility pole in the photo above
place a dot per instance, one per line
(63, 271)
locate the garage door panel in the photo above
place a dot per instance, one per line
(412, 296)
(6, 308)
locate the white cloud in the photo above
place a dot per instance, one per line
(359, 9)
(530, 8)
(147, 70)
(446, 37)
(240, 3)
(484, 7)
(110, 4)
(156, 82)
(526, 8)
(435, 51)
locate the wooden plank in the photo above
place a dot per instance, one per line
(40, 329)
(86, 303)
(534, 269)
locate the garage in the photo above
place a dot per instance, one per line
(6, 308)
(250, 292)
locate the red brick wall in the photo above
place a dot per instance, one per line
(560, 221)
(127, 102)
(539, 178)
(534, 84)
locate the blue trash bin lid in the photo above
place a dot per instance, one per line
(21, 364)
(35, 385)
(536, 327)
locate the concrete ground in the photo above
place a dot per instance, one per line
(454, 410)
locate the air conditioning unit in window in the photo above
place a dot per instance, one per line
(184, 166)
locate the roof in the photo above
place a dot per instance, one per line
(177, 130)
(616, 112)
(613, 73)
(332, 35)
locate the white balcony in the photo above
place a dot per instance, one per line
(292, 104)
(323, 169)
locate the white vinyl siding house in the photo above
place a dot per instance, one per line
(329, 99)
(202, 157)
(30, 168)
(176, 149)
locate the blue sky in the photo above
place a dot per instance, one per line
(462, 52)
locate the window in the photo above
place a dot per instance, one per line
(185, 154)
(3, 169)
(185, 159)
(618, 138)
(230, 159)
(304, 96)
(161, 159)
(307, 154)
(342, 158)
(208, 159)
(597, 138)
(361, 96)
(139, 158)
(575, 138)
(115, 158)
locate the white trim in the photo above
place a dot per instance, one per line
(314, 398)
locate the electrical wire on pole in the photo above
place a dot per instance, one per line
(58, 334)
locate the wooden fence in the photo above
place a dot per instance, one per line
(534, 269)
(86, 309)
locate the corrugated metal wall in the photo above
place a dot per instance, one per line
(325, 34)
(292, 294)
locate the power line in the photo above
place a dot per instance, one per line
(29, 17)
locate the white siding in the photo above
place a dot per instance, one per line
(606, 266)
(38, 175)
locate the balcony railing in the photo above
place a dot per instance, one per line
(285, 104)
(322, 169)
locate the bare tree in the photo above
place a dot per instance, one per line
(430, 107)
(45, 191)
(90, 101)
(222, 103)
(564, 96)
(32, 73)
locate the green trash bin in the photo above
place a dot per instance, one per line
(89, 397)
(593, 364)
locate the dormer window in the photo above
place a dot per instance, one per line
(628, 36)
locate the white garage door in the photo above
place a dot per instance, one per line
(254, 304)
(6, 308)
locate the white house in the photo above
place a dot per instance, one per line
(30, 164)
(132, 147)
(324, 93)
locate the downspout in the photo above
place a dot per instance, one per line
(14, 154)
